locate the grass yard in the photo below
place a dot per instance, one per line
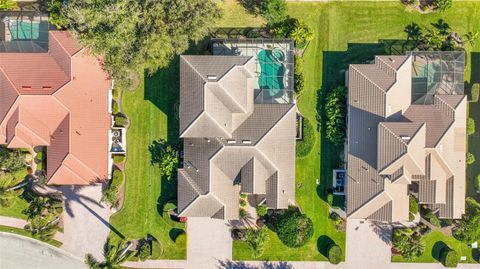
(435, 241)
(18, 231)
(150, 109)
(345, 33)
(20, 204)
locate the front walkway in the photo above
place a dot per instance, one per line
(86, 226)
(209, 241)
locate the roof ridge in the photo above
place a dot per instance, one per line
(368, 79)
(226, 92)
(82, 163)
(192, 183)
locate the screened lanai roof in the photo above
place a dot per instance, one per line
(24, 31)
(436, 72)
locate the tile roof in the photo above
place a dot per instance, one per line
(51, 99)
(419, 143)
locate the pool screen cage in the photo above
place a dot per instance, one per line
(436, 72)
(275, 79)
(24, 31)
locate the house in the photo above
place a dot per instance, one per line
(58, 99)
(406, 136)
(234, 142)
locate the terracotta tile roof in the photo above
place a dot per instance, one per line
(70, 117)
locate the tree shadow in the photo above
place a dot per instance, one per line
(476, 254)
(168, 193)
(174, 232)
(383, 230)
(323, 243)
(251, 6)
(437, 250)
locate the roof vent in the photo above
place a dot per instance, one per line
(231, 141)
(246, 142)
(405, 137)
(26, 87)
(391, 59)
(46, 87)
(211, 77)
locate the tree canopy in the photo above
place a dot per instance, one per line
(408, 242)
(133, 35)
(468, 229)
(336, 110)
(166, 157)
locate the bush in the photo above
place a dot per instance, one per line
(120, 121)
(256, 240)
(432, 218)
(56, 15)
(413, 204)
(475, 92)
(262, 210)
(243, 195)
(477, 185)
(243, 203)
(467, 229)
(8, 5)
(470, 126)
(40, 155)
(330, 199)
(408, 242)
(334, 254)
(292, 28)
(238, 234)
(115, 108)
(298, 75)
(144, 251)
(443, 5)
(11, 159)
(243, 213)
(335, 111)
(293, 228)
(118, 159)
(181, 239)
(449, 257)
(166, 157)
(273, 10)
(470, 158)
(305, 146)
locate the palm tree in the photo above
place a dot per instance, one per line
(256, 240)
(114, 255)
(442, 27)
(471, 37)
(414, 32)
(7, 191)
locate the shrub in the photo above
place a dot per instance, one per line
(449, 257)
(169, 207)
(470, 126)
(330, 199)
(11, 159)
(273, 10)
(443, 5)
(243, 203)
(165, 156)
(243, 213)
(256, 240)
(335, 111)
(238, 234)
(294, 29)
(467, 229)
(181, 239)
(144, 251)
(8, 5)
(475, 92)
(305, 146)
(408, 242)
(298, 75)
(118, 159)
(262, 210)
(56, 15)
(120, 121)
(243, 195)
(334, 254)
(477, 185)
(40, 155)
(432, 218)
(413, 204)
(115, 108)
(293, 228)
(470, 158)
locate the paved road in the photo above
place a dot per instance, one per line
(19, 252)
(86, 226)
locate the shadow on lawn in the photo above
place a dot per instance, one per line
(323, 243)
(437, 250)
(474, 140)
(335, 65)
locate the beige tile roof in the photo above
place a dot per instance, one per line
(249, 146)
(422, 143)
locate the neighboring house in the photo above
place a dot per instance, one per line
(232, 143)
(58, 99)
(406, 135)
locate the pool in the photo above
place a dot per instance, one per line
(24, 30)
(272, 71)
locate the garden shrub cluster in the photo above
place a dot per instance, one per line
(292, 28)
(256, 240)
(305, 146)
(56, 15)
(475, 92)
(117, 159)
(431, 217)
(120, 120)
(470, 158)
(470, 126)
(336, 110)
(408, 242)
(467, 229)
(7, 196)
(298, 75)
(334, 254)
(110, 193)
(11, 160)
(293, 228)
(413, 207)
(262, 210)
(166, 157)
(8, 5)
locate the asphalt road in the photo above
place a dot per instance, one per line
(19, 252)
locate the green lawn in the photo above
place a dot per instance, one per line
(18, 231)
(150, 109)
(435, 241)
(345, 33)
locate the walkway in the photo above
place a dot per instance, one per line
(86, 226)
(12, 222)
(22, 252)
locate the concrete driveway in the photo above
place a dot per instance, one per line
(86, 226)
(209, 242)
(19, 252)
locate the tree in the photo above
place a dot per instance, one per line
(470, 158)
(334, 254)
(336, 110)
(114, 256)
(443, 5)
(470, 126)
(273, 10)
(449, 257)
(165, 156)
(414, 32)
(408, 242)
(293, 228)
(292, 28)
(256, 240)
(131, 34)
(56, 14)
(110, 196)
(11, 159)
(467, 229)
(7, 194)
(7, 5)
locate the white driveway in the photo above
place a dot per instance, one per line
(19, 252)
(209, 242)
(86, 226)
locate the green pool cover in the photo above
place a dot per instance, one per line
(272, 71)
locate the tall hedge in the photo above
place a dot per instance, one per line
(305, 146)
(335, 111)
